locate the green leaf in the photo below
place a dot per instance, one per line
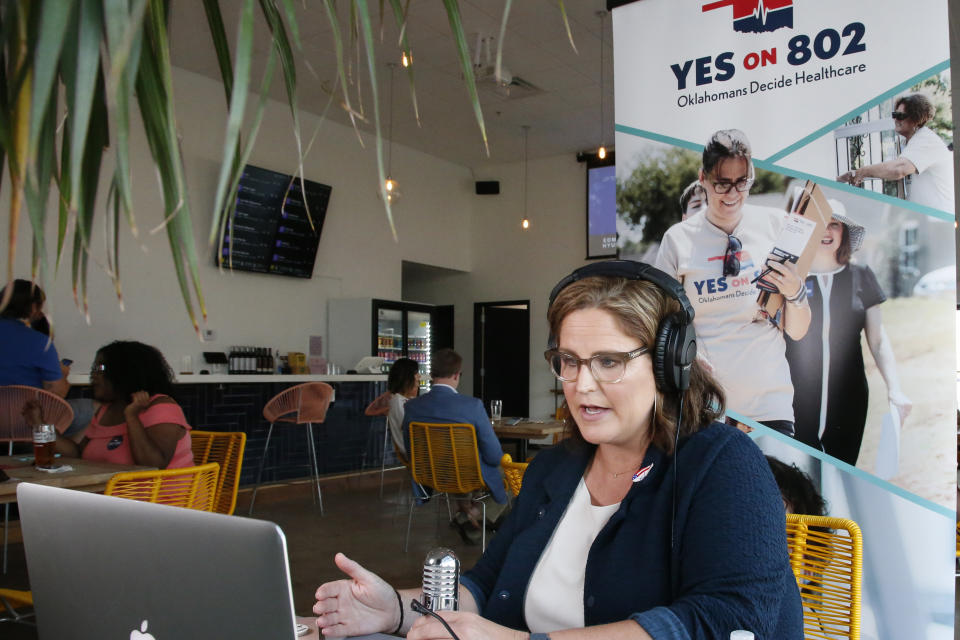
(363, 19)
(245, 154)
(401, 16)
(466, 65)
(503, 32)
(229, 169)
(220, 44)
(124, 42)
(282, 44)
(37, 186)
(55, 15)
(85, 67)
(155, 98)
(341, 65)
(566, 24)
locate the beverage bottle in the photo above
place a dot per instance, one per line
(44, 437)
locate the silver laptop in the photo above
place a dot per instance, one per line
(104, 568)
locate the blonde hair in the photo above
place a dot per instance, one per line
(639, 307)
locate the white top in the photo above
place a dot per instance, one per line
(555, 594)
(747, 352)
(933, 185)
(395, 421)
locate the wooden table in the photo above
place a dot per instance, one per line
(85, 476)
(525, 431)
(314, 633)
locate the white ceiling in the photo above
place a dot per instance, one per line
(563, 118)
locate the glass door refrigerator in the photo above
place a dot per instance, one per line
(404, 330)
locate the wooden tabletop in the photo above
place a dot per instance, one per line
(314, 633)
(85, 475)
(528, 430)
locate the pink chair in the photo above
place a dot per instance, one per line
(302, 404)
(14, 428)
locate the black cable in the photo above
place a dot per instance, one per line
(676, 445)
(417, 606)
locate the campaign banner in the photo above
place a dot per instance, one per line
(727, 113)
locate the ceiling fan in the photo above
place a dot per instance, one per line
(485, 71)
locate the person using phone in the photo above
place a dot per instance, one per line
(717, 253)
(27, 356)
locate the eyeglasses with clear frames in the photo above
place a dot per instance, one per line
(98, 369)
(605, 367)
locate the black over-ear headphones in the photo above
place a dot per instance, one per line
(675, 347)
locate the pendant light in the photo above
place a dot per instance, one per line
(393, 191)
(602, 151)
(525, 222)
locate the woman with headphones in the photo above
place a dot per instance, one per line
(653, 520)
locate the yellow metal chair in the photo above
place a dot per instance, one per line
(190, 487)
(826, 555)
(11, 602)
(445, 457)
(512, 474)
(226, 449)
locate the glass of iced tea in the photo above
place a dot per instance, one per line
(44, 437)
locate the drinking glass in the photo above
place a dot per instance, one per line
(44, 436)
(496, 410)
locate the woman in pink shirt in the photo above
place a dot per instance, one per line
(138, 422)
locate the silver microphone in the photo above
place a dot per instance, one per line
(441, 580)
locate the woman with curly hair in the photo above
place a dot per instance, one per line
(138, 422)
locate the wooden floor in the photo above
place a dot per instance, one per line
(356, 521)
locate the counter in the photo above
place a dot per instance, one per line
(346, 441)
(196, 378)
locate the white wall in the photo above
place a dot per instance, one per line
(512, 264)
(357, 255)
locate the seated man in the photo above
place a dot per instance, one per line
(444, 404)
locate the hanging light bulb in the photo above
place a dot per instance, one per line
(602, 151)
(405, 60)
(390, 185)
(525, 221)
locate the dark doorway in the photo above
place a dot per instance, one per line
(501, 355)
(443, 328)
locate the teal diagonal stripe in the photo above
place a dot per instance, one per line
(650, 135)
(760, 430)
(857, 191)
(906, 84)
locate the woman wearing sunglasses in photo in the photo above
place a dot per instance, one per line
(716, 254)
(925, 162)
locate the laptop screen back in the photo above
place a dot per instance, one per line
(103, 568)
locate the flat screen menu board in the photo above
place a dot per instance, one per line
(271, 232)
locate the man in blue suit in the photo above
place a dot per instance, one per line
(444, 404)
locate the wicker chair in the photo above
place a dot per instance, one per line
(826, 555)
(190, 487)
(513, 474)
(226, 449)
(445, 457)
(303, 404)
(14, 428)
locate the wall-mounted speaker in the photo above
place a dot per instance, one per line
(488, 187)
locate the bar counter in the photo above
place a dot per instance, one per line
(346, 441)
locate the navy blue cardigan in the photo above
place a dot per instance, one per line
(729, 563)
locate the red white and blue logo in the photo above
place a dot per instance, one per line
(642, 473)
(757, 16)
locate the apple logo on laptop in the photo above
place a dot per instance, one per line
(142, 634)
